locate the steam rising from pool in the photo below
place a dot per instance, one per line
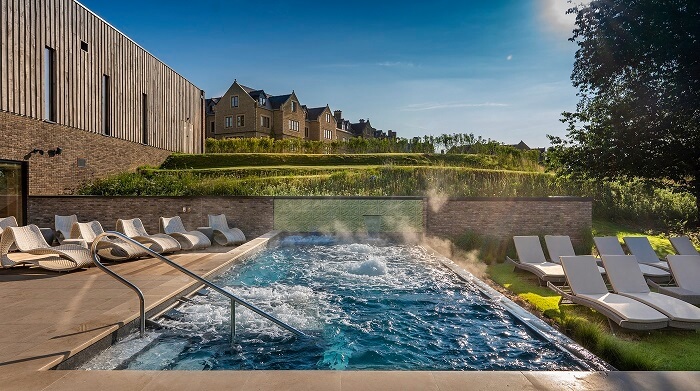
(367, 306)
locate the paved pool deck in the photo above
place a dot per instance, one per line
(47, 318)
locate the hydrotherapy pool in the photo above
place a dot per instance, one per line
(365, 306)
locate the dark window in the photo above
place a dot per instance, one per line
(14, 188)
(212, 126)
(240, 120)
(49, 84)
(83, 46)
(144, 121)
(106, 110)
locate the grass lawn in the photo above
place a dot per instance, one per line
(626, 350)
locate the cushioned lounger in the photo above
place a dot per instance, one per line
(561, 246)
(160, 243)
(189, 240)
(683, 246)
(531, 258)
(610, 245)
(686, 273)
(588, 289)
(112, 249)
(627, 280)
(29, 239)
(640, 247)
(223, 234)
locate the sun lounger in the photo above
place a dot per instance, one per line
(683, 246)
(627, 280)
(29, 239)
(686, 273)
(223, 234)
(610, 245)
(640, 247)
(160, 243)
(588, 289)
(561, 246)
(11, 221)
(112, 249)
(531, 258)
(189, 240)
(62, 225)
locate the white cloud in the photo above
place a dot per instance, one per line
(453, 105)
(510, 57)
(396, 64)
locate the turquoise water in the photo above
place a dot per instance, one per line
(365, 306)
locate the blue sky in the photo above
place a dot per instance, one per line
(497, 68)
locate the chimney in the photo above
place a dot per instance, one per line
(338, 115)
(362, 120)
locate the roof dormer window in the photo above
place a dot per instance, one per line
(262, 101)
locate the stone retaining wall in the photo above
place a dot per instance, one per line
(447, 218)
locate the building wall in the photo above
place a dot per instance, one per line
(498, 217)
(174, 105)
(102, 155)
(282, 117)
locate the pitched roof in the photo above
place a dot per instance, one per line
(314, 113)
(278, 100)
(247, 89)
(209, 105)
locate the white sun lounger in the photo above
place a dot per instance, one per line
(683, 246)
(686, 273)
(189, 240)
(560, 246)
(223, 234)
(627, 280)
(63, 225)
(160, 243)
(112, 249)
(640, 247)
(610, 245)
(29, 239)
(588, 289)
(531, 258)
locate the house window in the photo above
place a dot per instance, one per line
(294, 125)
(265, 121)
(328, 134)
(83, 46)
(228, 122)
(49, 84)
(106, 103)
(211, 129)
(262, 101)
(328, 118)
(294, 106)
(234, 101)
(144, 119)
(240, 121)
(306, 132)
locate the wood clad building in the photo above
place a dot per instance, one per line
(69, 81)
(64, 64)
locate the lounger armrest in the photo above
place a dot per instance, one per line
(655, 284)
(513, 261)
(556, 289)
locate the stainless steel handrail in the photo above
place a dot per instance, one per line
(234, 299)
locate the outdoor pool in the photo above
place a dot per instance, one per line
(373, 306)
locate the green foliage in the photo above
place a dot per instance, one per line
(293, 145)
(232, 160)
(638, 77)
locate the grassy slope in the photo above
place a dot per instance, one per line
(656, 350)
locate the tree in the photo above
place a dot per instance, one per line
(637, 69)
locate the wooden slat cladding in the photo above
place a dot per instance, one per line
(27, 27)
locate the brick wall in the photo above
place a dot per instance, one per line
(60, 174)
(508, 217)
(498, 217)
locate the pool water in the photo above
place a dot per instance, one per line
(364, 306)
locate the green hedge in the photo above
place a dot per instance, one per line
(224, 160)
